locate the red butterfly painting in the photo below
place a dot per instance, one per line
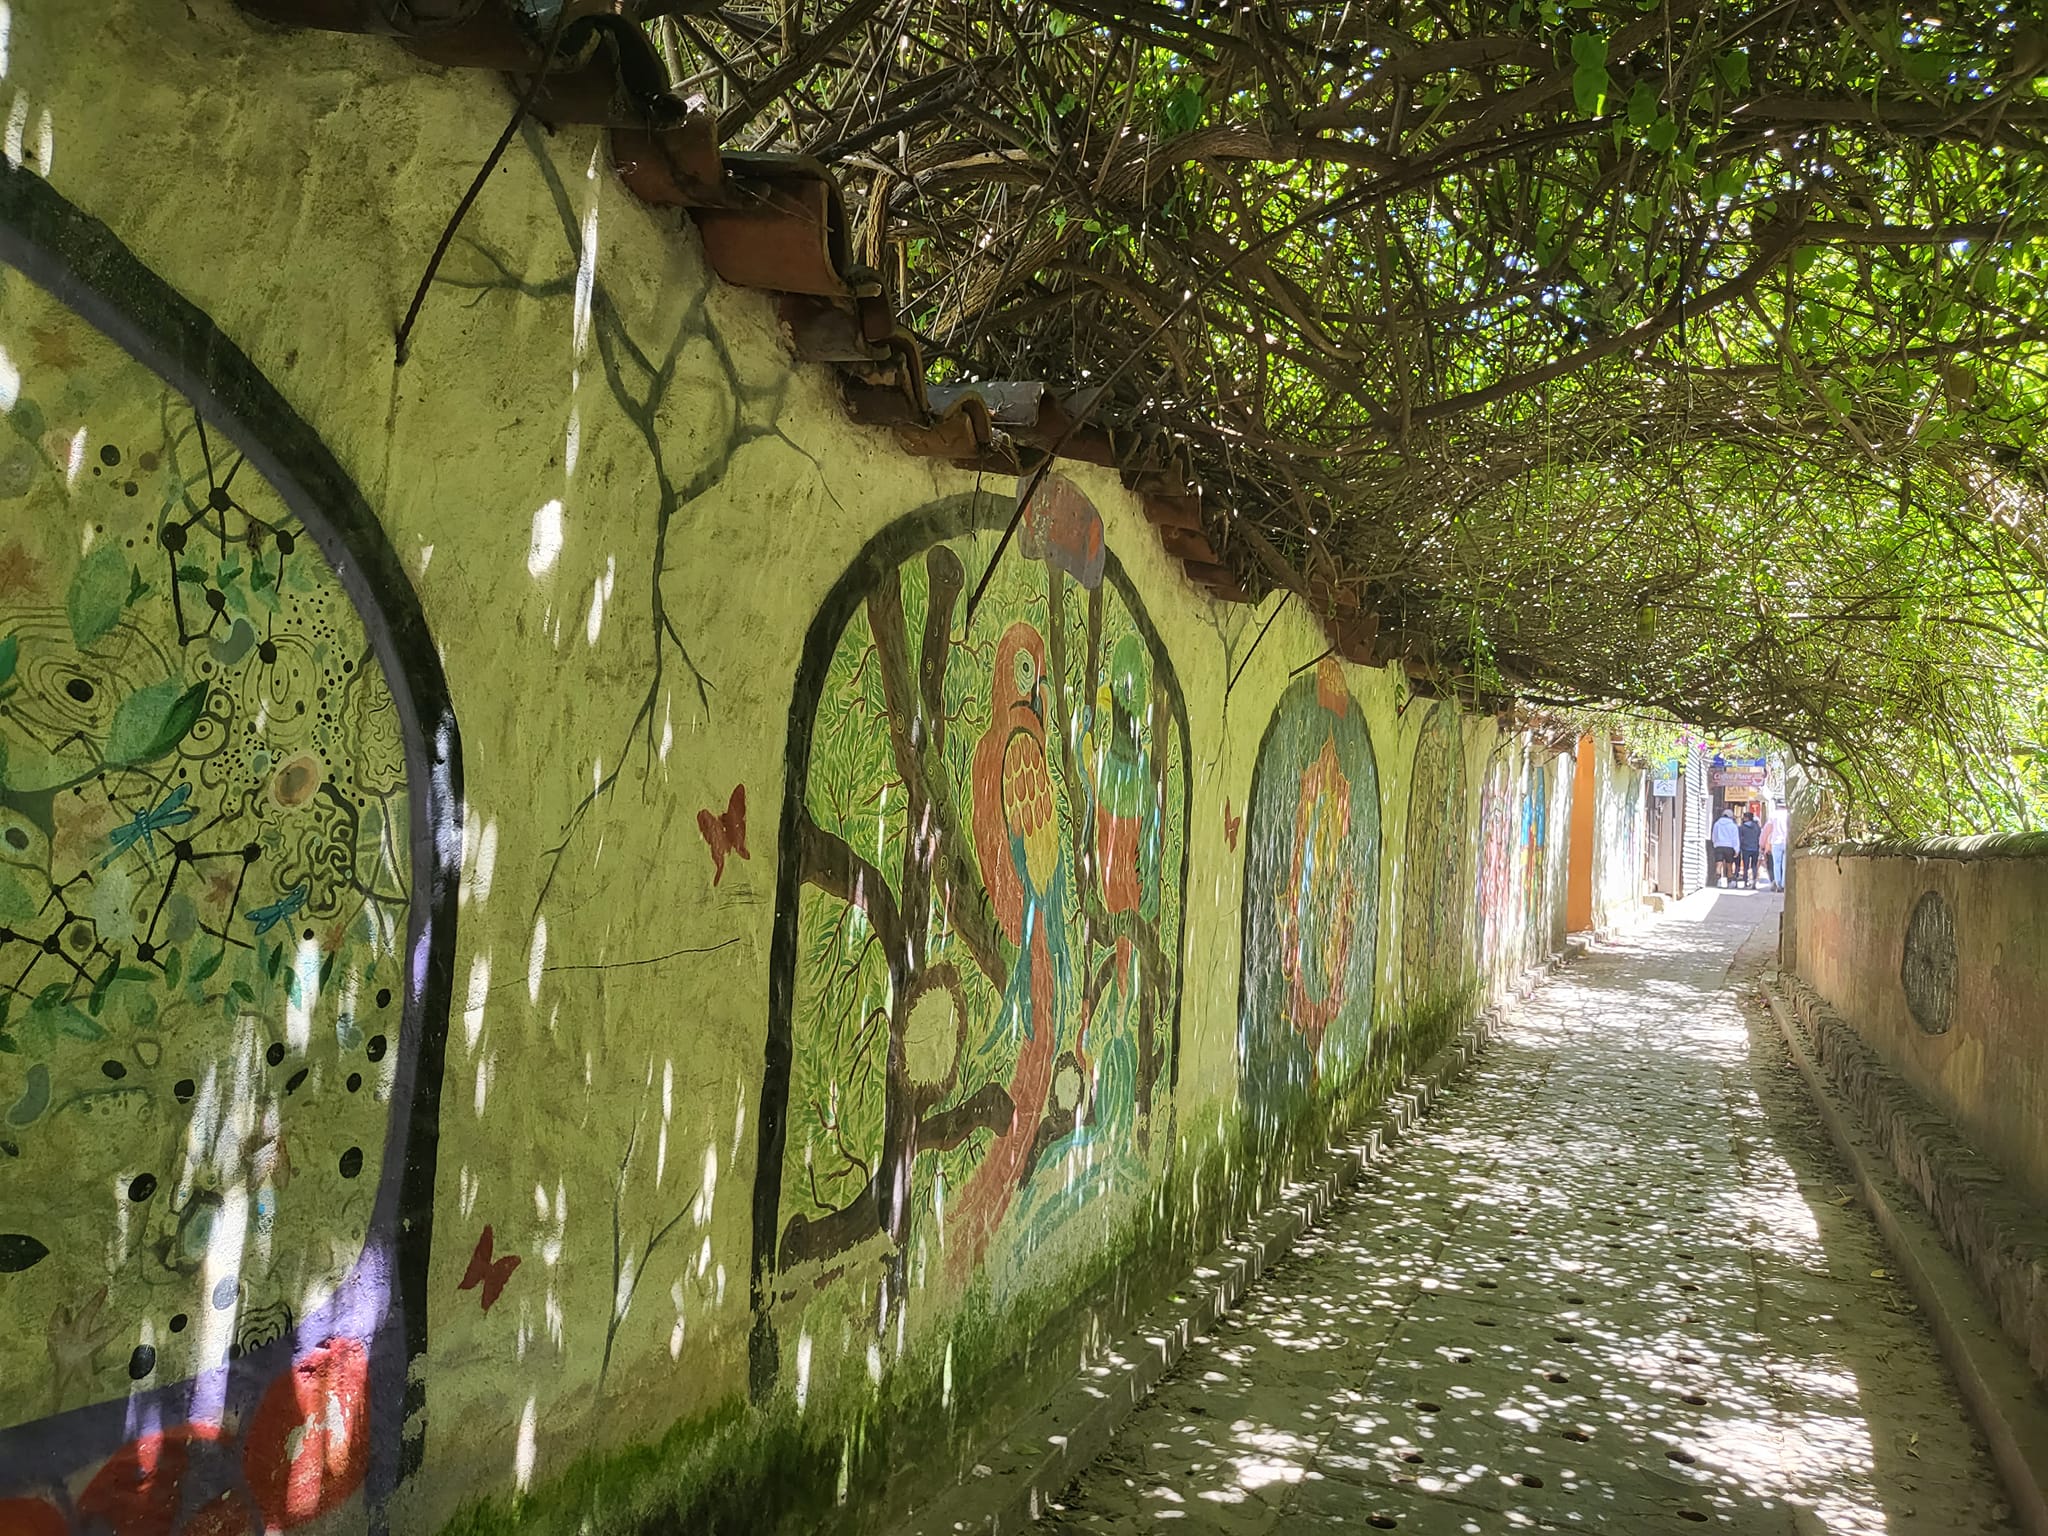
(488, 1272)
(1230, 825)
(726, 834)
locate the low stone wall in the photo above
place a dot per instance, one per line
(1936, 955)
(2000, 1236)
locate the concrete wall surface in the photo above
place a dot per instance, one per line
(1604, 880)
(1938, 959)
(551, 977)
(1619, 840)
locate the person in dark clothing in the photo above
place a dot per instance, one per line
(1751, 832)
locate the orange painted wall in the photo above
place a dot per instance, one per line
(1578, 898)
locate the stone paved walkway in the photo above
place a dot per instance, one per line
(1616, 1283)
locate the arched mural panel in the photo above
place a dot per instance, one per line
(1311, 900)
(1537, 905)
(217, 932)
(1500, 862)
(978, 944)
(1434, 911)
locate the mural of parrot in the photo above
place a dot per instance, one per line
(1126, 798)
(1018, 838)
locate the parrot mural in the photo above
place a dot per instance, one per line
(1126, 797)
(1009, 928)
(1017, 836)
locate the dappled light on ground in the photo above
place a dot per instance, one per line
(1616, 1284)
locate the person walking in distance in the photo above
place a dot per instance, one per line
(1750, 836)
(1777, 837)
(1727, 846)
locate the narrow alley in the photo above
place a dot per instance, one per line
(756, 757)
(1616, 1282)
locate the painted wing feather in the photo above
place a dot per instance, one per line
(1028, 808)
(992, 837)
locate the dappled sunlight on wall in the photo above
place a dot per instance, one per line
(854, 1021)
(1435, 919)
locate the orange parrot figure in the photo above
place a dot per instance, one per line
(1023, 864)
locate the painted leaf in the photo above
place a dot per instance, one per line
(97, 593)
(32, 767)
(10, 653)
(17, 903)
(71, 1022)
(99, 988)
(19, 1251)
(50, 1019)
(153, 720)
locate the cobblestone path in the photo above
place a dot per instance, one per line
(1616, 1283)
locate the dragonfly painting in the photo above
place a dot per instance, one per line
(283, 910)
(171, 811)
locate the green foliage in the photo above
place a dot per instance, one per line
(151, 721)
(98, 592)
(1521, 322)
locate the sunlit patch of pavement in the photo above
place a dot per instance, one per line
(1615, 1283)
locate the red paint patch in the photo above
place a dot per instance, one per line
(309, 1440)
(137, 1491)
(30, 1517)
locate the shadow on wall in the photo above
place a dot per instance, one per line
(224, 924)
(976, 1007)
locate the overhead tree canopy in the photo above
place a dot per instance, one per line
(1687, 358)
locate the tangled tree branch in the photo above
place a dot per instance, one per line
(1685, 356)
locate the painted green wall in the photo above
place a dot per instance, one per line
(632, 529)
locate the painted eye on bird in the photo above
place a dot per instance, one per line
(1027, 672)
